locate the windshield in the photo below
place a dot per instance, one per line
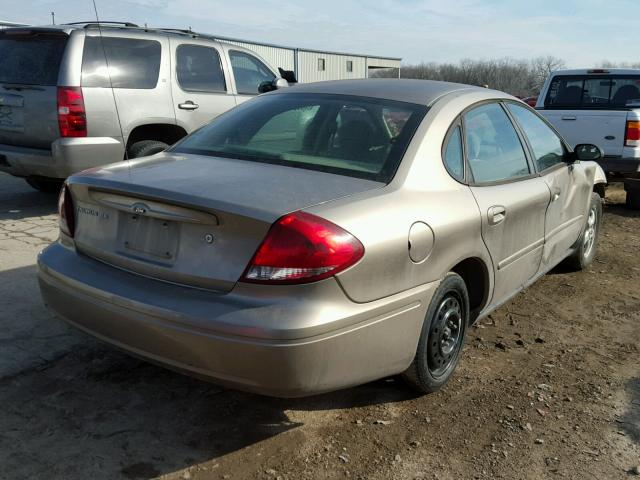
(31, 59)
(594, 92)
(348, 135)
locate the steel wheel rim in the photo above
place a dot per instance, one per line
(589, 239)
(445, 335)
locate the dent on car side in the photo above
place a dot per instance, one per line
(361, 324)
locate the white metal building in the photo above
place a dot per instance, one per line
(308, 65)
(317, 65)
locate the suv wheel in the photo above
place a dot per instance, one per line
(442, 336)
(45, 185)
(144, 148)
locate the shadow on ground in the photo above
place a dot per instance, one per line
(630, 421)
(88, 411)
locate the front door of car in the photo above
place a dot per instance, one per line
(249, 72)
(512, 200)
(200, 86)
(568, 185)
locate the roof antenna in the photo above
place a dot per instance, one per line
(113, 93)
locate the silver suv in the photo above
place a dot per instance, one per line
(82, 95)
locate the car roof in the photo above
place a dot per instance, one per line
(422, 92)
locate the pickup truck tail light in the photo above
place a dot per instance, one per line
(632, 134)
(302, 248)
(72, 117)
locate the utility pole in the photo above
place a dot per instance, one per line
(53, 18)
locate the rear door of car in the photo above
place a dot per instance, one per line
(200, 83)
(592, 108)
(512, 199)
(569, 187)
(30, 63)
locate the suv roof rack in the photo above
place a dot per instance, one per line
(102, 22)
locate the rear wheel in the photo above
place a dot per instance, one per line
(442, 336)
(144, 148)
(45, 185)
(587, 243)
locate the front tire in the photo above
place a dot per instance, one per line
(587, 243)
(442, 336)
(145, 148)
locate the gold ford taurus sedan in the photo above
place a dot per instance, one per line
(325, 235)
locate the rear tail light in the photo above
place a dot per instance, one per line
(72, 117)
(66, 211)
(632, 134)
(302, 248)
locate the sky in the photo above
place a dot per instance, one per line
(581, 32)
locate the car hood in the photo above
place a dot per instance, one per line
(257, 190)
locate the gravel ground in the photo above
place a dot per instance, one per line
(548, 387)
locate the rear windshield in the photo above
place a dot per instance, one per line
(31, 58)
(348, 135)
(590, 92)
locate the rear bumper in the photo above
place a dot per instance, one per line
(277, 341)
(620, 164)
(66, 157)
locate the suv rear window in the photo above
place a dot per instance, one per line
(133, 63)
(30, 58)
(589, 92)
(342, 134)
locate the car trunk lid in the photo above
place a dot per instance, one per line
(195, 221)
(31, 61)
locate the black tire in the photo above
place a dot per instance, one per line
(447, 317)
(144, 148)
(586, 246)
(45, 185)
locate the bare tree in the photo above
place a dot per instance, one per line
(518, 77)
(541, 67)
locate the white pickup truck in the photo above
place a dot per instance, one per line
(598, 106)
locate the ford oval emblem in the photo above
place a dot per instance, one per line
(140, 209)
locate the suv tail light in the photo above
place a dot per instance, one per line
(66, 211)
(632, 134)
(302, 248)
(72, 117)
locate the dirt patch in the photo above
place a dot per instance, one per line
(548, 387)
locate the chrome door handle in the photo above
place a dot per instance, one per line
(568, 117)
(555, 193)
(188, 105)
(496, 214)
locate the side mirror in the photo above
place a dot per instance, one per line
(275, 84)
(587, 152)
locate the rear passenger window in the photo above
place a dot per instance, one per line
(199, 69)
(132, 63)
(453, 159)
(492, 145)
(249, 72)
(546, 145)
(592, 92)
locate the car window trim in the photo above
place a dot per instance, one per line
(472, 182)
(565, 147)
(189, 90)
